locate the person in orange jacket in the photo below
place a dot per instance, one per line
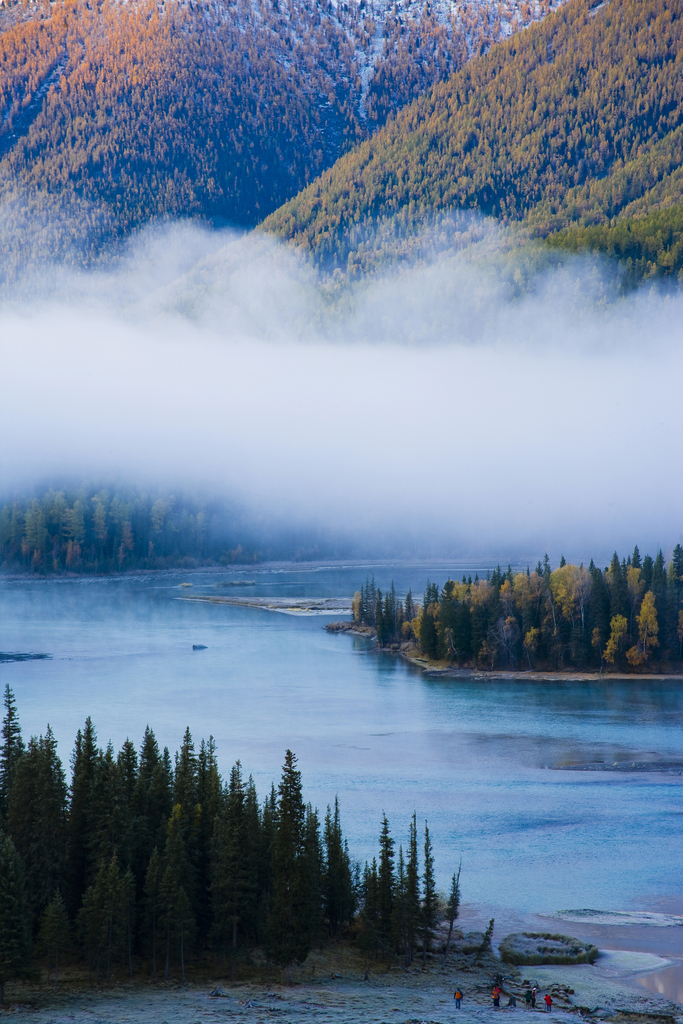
(496, 996)
(457, 997)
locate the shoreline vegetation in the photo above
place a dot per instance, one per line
(625, 619)
(151, 873)
(148, 866)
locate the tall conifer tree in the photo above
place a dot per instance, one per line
(290, 924)
(430, 900)
(81, 868)
(37, 821)
(209, 799)
(11, 749)
(412, 889)
(385, 883)
(234, 869)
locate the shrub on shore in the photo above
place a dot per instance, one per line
(532, 948)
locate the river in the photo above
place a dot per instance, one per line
(481, 760)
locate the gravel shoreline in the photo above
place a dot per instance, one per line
(581, 992)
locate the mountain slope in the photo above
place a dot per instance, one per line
(176, 113)
(559, 107)
(114, 114)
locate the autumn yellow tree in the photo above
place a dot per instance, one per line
(648, 628)
(615, 644)
(530, 644)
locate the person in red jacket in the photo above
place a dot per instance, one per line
(548, 1000)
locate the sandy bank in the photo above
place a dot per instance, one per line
(287, 606)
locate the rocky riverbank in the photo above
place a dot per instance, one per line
(387, 997)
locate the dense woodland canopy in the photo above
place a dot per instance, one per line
(576, 120)
(146, 864)
(626, 616)
(115, 114)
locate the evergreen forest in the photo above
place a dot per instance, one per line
(117, 528)
(625, 617)
(568, 132)
(148, 865)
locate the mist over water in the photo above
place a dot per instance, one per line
(427, 405)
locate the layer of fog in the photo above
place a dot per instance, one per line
(429, 403)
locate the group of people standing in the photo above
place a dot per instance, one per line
(529, 998)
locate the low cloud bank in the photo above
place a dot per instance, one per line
(428, 406)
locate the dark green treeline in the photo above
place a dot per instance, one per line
(91, 529)
(147, 862)
(627, 616)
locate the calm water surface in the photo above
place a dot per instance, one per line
(476, 758)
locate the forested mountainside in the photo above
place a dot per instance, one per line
(576, 120)
(115, 114)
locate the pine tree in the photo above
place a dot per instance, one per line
(412, 889)
(234, 867)
(186, 818)
(209, 798)
(409, 607)
(399, 923)
(37, 821)
(659, 580)
(486, 941)
(338, 885)
(108, 814)
(452, 909)
(677, 571)
(11, 750)
(429, 637)
(646, 575)
(289, 928)
(381, 624)
(430, 900)
(312, 871)
(151, 806)
(599, 606)
(81, 869)
(15, 950)
(265, 830)
(385, 884)
(186, 775)
(127, 762)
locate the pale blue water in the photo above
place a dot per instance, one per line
(473, 757)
